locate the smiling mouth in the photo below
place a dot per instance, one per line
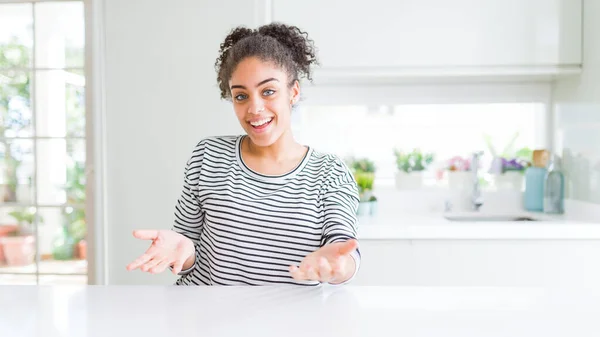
(261, 124)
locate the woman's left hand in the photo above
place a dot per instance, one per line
(331, 263)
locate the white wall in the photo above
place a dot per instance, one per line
(577, 112)
(161, 99)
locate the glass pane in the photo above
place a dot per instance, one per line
(16, 35)
(15, 104)
(15, 279)
(17, 240)
(16, 171)
(61, 171)
(63, 280)
(62, 234)
(59, 34)
(60, 103)
(443, 130)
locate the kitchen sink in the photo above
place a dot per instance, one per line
(488, 217)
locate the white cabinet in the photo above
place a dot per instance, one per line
(479, 262)
(382, 35)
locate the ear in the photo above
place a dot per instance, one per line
(295, 93)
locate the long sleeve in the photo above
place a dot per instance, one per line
(189, 217)
(340, 202)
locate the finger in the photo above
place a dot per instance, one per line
(141, 260)
(145, 234)
(348, 247)
(325, 272)
(311, 273)
(297, 274)
(160, 267)
(151, 264)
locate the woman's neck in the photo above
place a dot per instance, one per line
(284, 149)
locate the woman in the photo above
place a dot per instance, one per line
(260, 208)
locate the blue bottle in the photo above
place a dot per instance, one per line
(533, 197)
(535, 178)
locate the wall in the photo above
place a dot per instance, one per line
(577, 116)
(161, 99)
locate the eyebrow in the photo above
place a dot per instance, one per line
(258, 85)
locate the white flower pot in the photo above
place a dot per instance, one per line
(460, 180)
(409, 181)
(511, 180)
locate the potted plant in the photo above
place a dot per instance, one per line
(459, 175)
(15, 94)
(410, 168)
(19, 245)
(508, 167)
(364, 174)
(76, 227)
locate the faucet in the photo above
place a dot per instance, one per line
(476, 198)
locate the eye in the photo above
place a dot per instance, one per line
(268, 92)
(240, 97)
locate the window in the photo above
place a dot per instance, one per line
(444, 129)
(42, 143)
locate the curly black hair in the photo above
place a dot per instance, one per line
(286, 46)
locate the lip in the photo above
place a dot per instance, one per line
(256, 119)
(263, 128)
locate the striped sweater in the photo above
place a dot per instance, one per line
(248, 227)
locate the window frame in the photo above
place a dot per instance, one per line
(96, 270)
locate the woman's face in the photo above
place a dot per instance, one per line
(262, 99)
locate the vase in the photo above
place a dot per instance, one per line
(18, 250)
(364, 208)
(409, 181)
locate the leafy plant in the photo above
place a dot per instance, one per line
(362, 165)
(14, 110)
(25, 218)
(413, 161)
(363, 170)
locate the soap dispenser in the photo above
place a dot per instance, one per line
(535, 177)
(554, 187)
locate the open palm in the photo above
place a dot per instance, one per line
(331, 263)
(168, 248)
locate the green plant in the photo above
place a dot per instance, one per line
(413, 161)
(75, 190)
(25, 218)
(364, 180)
(363, 170)
(15, 103)
(362, 165)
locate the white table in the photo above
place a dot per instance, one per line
(150, 311)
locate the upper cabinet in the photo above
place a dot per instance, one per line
(440, 36)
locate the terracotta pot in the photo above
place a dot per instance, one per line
(82, 249)
(18, 250)
(4, 231)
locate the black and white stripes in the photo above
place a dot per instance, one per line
(248, 227)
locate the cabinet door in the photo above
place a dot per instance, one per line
(571, 263)
(385, 263)
(438, 33)
(479, 263)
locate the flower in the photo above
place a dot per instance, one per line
(458, 163)
(514, 164)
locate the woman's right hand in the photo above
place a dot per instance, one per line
(168, 248)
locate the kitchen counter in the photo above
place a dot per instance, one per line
(86, 311)
(437, 227)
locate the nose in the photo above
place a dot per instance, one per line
(256, 107)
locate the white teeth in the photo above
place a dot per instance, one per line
(261, 122)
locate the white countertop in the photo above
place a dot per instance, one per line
(27, 311)
(436, 226)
